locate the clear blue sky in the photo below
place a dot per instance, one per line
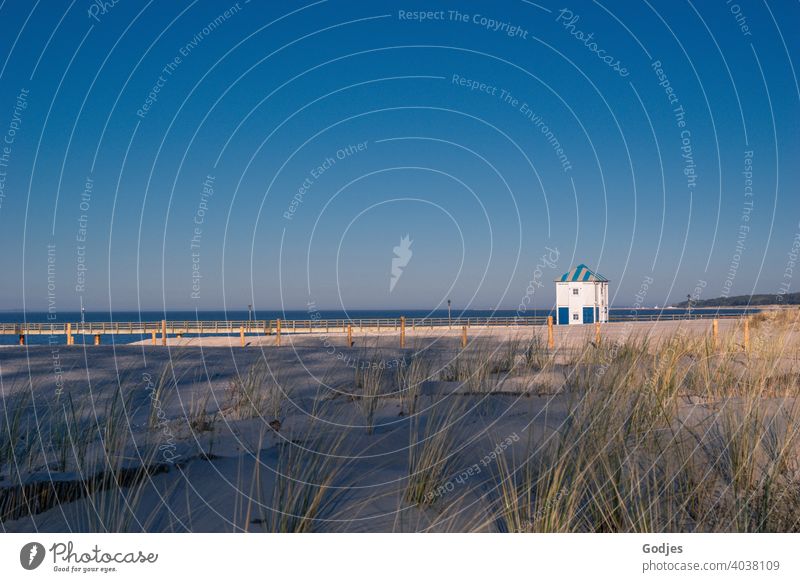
(146, 100)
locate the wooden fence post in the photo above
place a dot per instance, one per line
(278, 332)
(715, 331)
(97, 339)
(746, 334)
(241, 335)
(402, 331)
(463, 336)
(163, 332)
(155, 343)
(349, 336)
(69, 334)
(550, 340)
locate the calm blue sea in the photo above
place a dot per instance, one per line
(42, 317)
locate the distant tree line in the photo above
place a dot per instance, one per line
(744, 300)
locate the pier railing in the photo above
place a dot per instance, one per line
(269, 326)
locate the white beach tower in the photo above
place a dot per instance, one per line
(581, 297)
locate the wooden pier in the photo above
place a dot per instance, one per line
(160, 330)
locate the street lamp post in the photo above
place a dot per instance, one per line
(449, 319)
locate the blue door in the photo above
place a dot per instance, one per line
(563, 316)
(588, 315)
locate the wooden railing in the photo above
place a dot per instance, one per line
(269, 326)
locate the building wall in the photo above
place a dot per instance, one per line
(590, 294)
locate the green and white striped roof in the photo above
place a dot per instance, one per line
(582, 273)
